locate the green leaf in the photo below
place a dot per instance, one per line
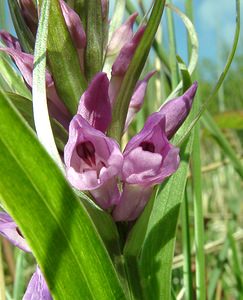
(24, 34)
(186, 77)
(94, 31)
(193, 45)
(135, 68)
(55, 224)
(63, 60)
(25, 108)
(107, 230)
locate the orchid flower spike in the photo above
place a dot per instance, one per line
(149, 158)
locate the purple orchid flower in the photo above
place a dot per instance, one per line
(37, 288)
(93, 161)
(149, 158)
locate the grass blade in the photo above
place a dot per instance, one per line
(63, 60)
(40, 109)
(221, 77)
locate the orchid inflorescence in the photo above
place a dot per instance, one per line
(119, 182)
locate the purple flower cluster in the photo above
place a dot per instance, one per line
(120, 182)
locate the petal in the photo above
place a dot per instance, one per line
(139, 165)
(107, 195)
(95, 105)
(74, 25)
(121, 36)
(137, 98)
(10, 41)
(104, 166)
(23, 61)
(177, 110)
(148, 157)
(122, 62)
(10, 230)
(132, 202)
(124, 58)
(37, 288)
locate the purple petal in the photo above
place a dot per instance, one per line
(95, 105)
(177, 110)
(76, 30)
(124, 58)
(74, 25)
(137, 99)
(92, 162)
(121, 36)
(10, 41)
(23, 61)
(148, 157)
(37, 288)
(122, 62)
(132, 202)
(9, 230)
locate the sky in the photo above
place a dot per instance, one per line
(214, 23)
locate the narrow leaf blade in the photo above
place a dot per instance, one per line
(54, 223)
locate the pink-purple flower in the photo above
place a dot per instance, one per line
(94, 162)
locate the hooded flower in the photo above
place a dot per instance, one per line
(92, 162)
(149, 158)
(37, 288)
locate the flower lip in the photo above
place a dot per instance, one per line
(86, 151)
(149, 157)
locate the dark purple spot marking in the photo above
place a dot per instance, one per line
(147, 146)
(86, 151)
(19, 232)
